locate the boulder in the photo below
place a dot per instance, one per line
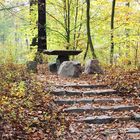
(32, 66)
(93, 67)
(52, 67)
(70, 69)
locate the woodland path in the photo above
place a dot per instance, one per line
(96, 112)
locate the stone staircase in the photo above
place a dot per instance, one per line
(97, 106)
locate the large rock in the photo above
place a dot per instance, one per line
(52, 67)
(32, 66)
(93, 67)
(70, 69)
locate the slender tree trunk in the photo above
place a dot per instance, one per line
(80, 27)
(88, 30)
(112, 32)
(34, 39)
(136, 54)
(127, 32)
(137, 50)
(65, 16)
(68, 29)
(85, 55)
(75, 24)
(67, 5)
(42, 43)
(16, 35)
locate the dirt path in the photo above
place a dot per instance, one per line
(95, 111)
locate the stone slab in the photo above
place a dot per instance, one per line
(100, 92)
(74, 101)
(75, 93)
(82, 86)
(133, 130)
(70, 101)
(108, 100)
(103, 119)
(101, 108)
(62, 52)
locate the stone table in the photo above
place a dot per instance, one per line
(63, 55)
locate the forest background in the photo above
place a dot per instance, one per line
(66, 28)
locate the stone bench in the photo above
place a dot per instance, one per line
(63, 55)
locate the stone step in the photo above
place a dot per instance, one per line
(133, 130)
(104, 119)
(82, 86)
(101, 108)
(88, 93)
(74, 101)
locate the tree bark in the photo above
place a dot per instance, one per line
(80, 27)
(67, 5)
(88, 30)
(75, 24)
(136, 54)
(112, 32)
(86, 52)
(127, 32)
(34, 39)
(68, 29)
(42, 42)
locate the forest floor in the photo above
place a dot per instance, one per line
(44, 106)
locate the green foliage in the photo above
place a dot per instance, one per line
(16, 54)
(19, 25)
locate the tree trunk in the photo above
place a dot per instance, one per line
(127, 32)
(67, 5)
(112, 32)
(75, 24)
(136, 51)
(68, 29)
(88, 30)
(80, 27)
(85, 55)
(136, 54)
(42, 43)
(34, 39)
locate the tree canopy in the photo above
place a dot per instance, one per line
(66, 27)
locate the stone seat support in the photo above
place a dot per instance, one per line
(63, 55)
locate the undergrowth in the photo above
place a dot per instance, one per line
(26, 109)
